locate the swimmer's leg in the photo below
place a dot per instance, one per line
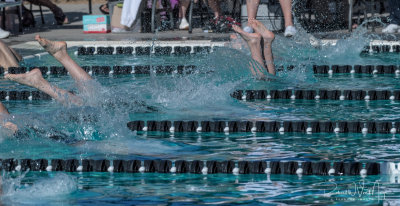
(252, 8)
(3, 110)
(17, 56)
(35, 79)
(268, 37)
(8, 57)
(253, 40)
(58, 49)
(9, 125)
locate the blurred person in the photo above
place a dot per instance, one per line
(393, 27)
(58, 13)
(214, 5)
(252, 9)
(219, 22)
(130, 11)
(183, 6)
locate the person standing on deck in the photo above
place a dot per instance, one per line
(252, 8)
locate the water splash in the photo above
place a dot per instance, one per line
(204, 94)
(45, 190)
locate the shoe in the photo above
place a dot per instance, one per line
(184, 25)
(290, 31)
(118, 30)
(392, 28)
(104, 9)
(4, 34)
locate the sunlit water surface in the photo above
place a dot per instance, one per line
(98, 130)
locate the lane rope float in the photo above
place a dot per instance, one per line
(147, 50)
(321, 94)
(365, 127)
(106, 70)
(348, 168)
(356, 69)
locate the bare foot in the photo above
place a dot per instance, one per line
(56, 48)
(33, 78)
(251, 38)
(259, 27)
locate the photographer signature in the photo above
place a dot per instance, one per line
(357, 190)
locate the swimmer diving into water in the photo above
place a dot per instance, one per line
(58, 49)
(34, 78)
(254, 42)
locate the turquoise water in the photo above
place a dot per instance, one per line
(98, 130)
(165, 189)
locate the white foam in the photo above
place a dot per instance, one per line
(40, 192)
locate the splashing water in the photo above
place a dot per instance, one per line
(45, 190)
(203, 94)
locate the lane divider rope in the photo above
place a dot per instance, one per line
(255, 95)
(321, 94)
(393, 47)
(105, 70)
(23, 95)
(145, 69)
(309, 127)
(356, 69)
(288, 167)
(145, 50)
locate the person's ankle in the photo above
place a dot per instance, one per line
(267, 44)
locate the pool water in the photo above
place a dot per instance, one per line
(188, 189)
(98, 131)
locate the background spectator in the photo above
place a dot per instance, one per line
(252, 8)
(219, 23)
(59, 15)
(183, 6)
(130, 12)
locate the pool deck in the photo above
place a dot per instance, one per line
(73, 34)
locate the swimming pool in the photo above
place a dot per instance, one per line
(99, 131)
